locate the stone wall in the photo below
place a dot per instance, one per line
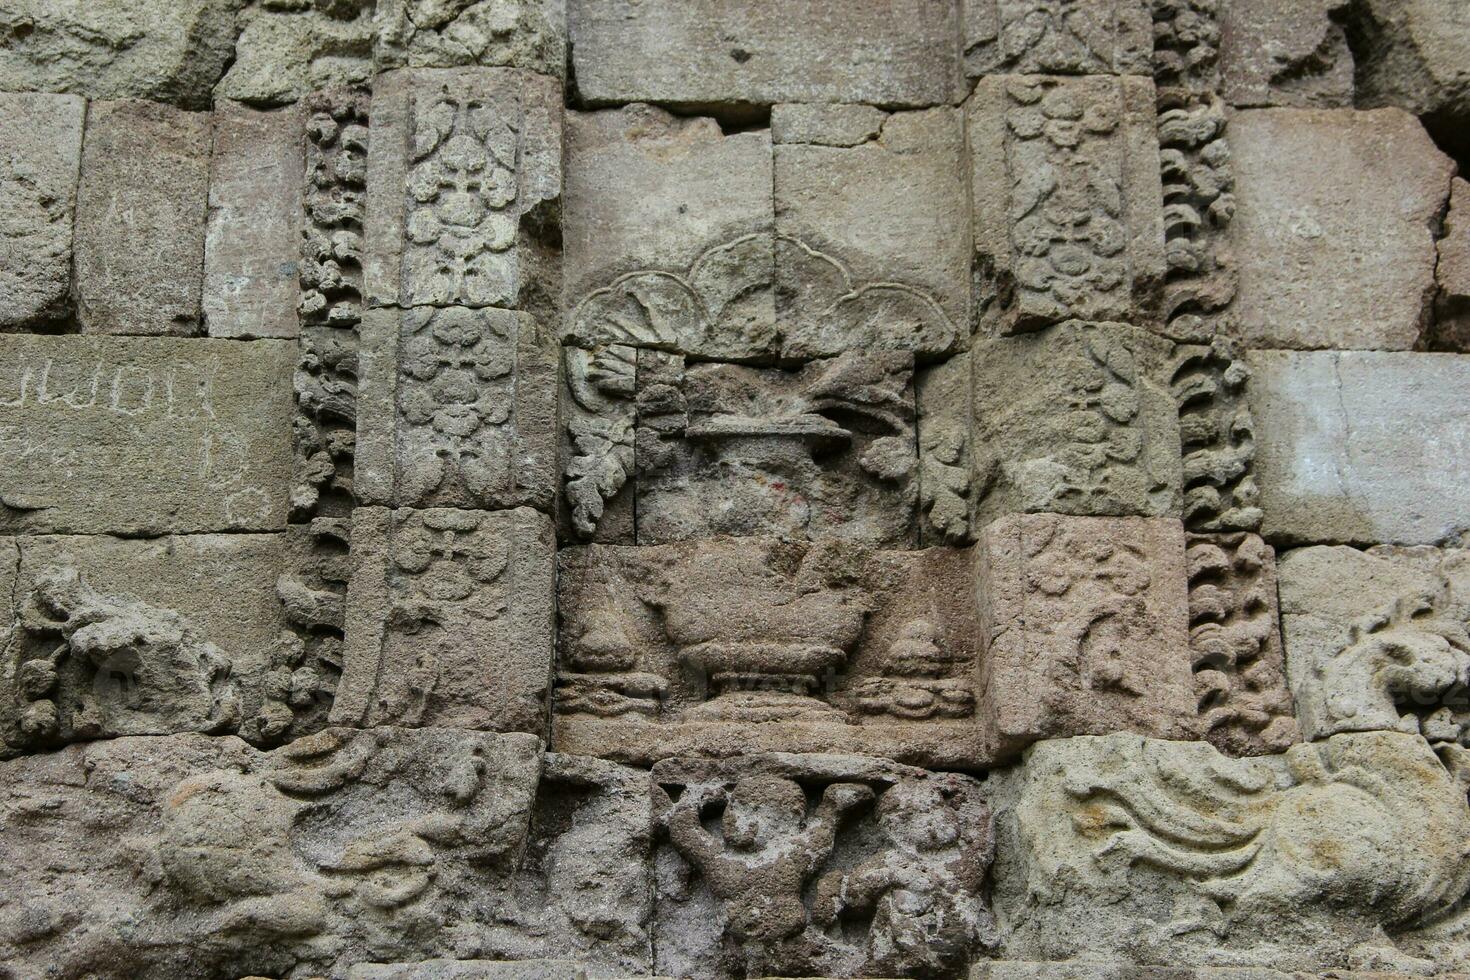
(734, 488)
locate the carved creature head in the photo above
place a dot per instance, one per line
(762, 809)
(916, 816)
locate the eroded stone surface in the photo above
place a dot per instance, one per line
(40, 156)
(449, 619)
(1065, 191)
(1334, 229)
(1377, 641)
(253, 236)
(893, 856)
(321, 855)
(1132, 850)
(141, 208)
(1359, 447)
(138, 435)
(530, 34)
(464, 172)
(169, 50)
(697, 54)
(1415, 58)
(1084, 627)
(1292, 54)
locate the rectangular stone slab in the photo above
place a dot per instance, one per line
(40, 156)
(704, 52)
(251, 246)
(141, 210)
(449, 619)
(144, 435)
(1361, 447)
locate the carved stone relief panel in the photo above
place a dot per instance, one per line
(827, 450)
(873, 242)
(1071, 37)
(343, 847)
(329, 306)
(457, 409)
(1239, 666)
(1128, 849)
(115, 636)
(1217, 435)
(1377, 640)
(1075, 419)
(1065, 188)
(1084, 628)
(144, 436)
(714, 448)
(716, 646)
(682, 238)
(464, 180)
(819, 865)
(449, 619)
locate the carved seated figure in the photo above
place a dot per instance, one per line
(770, 848)
(921, 891)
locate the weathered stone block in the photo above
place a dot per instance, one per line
(1066, 196)
(1084, 628)
(144, 435)
(529, 34)
(168, 50)
(40, 155)
(456, 408)
(1240, 689)
(137, 636)
(785, 886)
(1031, 37)
(287, 50)
(1360, 447)
(1333, 230)
(1452, 274)
(1075, 419)
(1376, 640)
(1117, 849)
(719, 647)
(694, 53)
(1416, 55)
(449, 619)
(464, 179)
(141, 208)
(890, 214)
(1286, 54)
(313, 858)
(253, 239)
(668, 234)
